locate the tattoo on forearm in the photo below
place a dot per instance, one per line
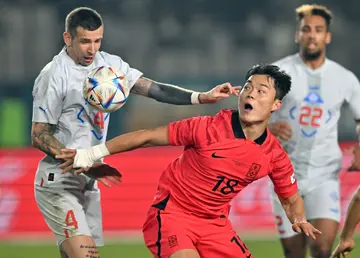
(43, 139)
(142, 87)
(162, 92)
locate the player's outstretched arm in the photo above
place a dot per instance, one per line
(85, 158)
(295, 211)
(172, 94)
(346, 243)
(43, 139)
(138, 139)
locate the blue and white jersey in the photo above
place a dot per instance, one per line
(312, 108)
(58, 100)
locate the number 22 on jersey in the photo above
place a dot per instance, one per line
(310, 116)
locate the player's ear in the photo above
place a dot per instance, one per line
(297, 37)
(328, 38)
(67, 38)
(277, 105)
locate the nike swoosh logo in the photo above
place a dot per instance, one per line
(216, 156)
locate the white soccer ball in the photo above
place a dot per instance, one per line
(106, 89)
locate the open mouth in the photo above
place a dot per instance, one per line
(248, 107)
(88, 59)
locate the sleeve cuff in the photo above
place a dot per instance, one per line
(195, 98)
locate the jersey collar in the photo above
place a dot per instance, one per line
(69, 61)
(238, 131)
(313, 71)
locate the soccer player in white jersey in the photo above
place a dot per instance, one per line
(307, 127)
(69, 203)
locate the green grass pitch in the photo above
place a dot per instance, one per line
(269, 248)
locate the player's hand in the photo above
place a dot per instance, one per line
(100, 171)
(218, 93)
(67, 156)
(281, 130)
(343, 248)
(306, 228)
(75, 159)
(104, 173)
(355, 163)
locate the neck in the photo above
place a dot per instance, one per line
(313, 64)
(253, 131)
(70, 54)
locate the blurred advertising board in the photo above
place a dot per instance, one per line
(125, 206)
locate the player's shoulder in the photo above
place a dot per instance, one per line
(272, 141)
(220, 126)
(274, 146)
(212, 125)
(110, 59)
(340, 70)
(287, 61)
(55, 68)
(53, 75)
(202, 120)
(224, 114)
(223, 117)
(215, 128)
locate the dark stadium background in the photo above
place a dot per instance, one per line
(193, 43)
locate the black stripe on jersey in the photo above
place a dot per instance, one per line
(162, 205)
(158, 241)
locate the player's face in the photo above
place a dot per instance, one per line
(257, 99)
(313, 36)
(84, 45)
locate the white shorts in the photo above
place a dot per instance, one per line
(320, 202)
(71, 213)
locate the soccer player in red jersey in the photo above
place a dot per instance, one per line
(222, 155)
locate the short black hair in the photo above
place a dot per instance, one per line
(84, 17)
(314, 9)
(282, 80)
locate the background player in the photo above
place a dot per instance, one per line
(222, 155)
(347, 243)
(71, 204)
(307, 126)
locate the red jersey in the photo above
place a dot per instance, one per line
(218, 162)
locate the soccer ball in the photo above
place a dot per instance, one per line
(106, 89)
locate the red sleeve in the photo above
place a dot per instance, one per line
(282, 175)
(187, 131)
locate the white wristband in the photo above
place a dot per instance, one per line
(195, 98)
(83, 159)
(98, 152)
(86, 157)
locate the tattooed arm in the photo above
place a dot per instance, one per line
(42, 138)
(172, 94)
(163, 92)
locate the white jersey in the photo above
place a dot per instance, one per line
(312, 108)
(58, 100)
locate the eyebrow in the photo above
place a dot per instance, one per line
(316, 26)
(261, 84)
(87, 39)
